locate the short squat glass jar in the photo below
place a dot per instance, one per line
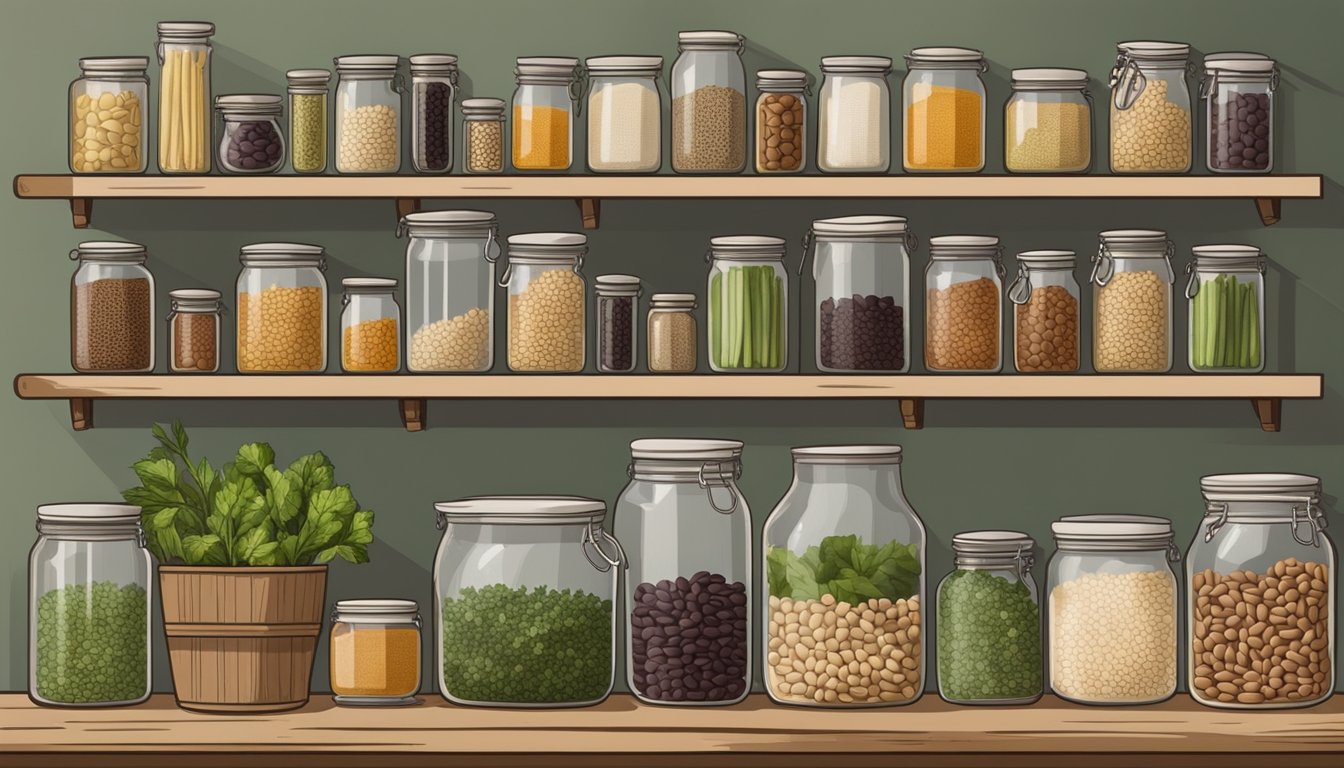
(194, 330)
(1151, 129)
(282, 309)
(483, 135)
(89, 601)
(549, 88)
(1047, 123)
(1131, 301)
(748, 304)
(1226, 289)
(962, 310)
(111, 309)
(1047, 326)
(1261, 573)
(450, 290)
(709, 103)
(368, 114)
(309, 94)
(686, 529)
(781, 121)
(1239, 102)
(547, 295)
(375, 652)
(672, 333)
(617, 308)
(107, 115)
(251, 140)
(370, 326)
(944, 99)
(1112, 596)
(433, 93)
(184, 96)
(854, 115)
(625, 114)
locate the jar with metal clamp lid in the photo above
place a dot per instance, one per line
(1131, 301)
(672, 333)
(1238, 90)
(781, 121)
(1047, 326)
(546, 302)
(963, 310)
(1151, 126)
(1226, 289)
(450, 290)
(544, 105)
(193, 330)
(375, 652)
(282, 309)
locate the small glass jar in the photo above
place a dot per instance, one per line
(547, 295)
(251, 140)
(375, 652)
(686, 530)
(309, 93)
(433, 93)
(625, 114)
(184, 96)
(1131, 301)
(483, 135)
(537, 568)
(944, 100)
(1261, 580)
(370, 326)
(111, 309)
(854, 118)
(844, 554)
(709, 103)
(1239, 104)
(450, 290)
(1226, 289)
(1151, 129)
(748, 304)
(193, 330)
(107, 115)
(962, 311)
(282, 309)
(549, 88)
(781, 121)
(368, 114)
(89, 601)
(617, 307)
(989, 622)
(1112, 596)
(1047, 324)
(862, 270)
(1047, 122)
(672, 333)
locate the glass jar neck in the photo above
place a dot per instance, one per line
(85, 531)
(1303, 515)
(864, 475)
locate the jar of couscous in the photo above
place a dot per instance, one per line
(544, 103)
(1047, 122)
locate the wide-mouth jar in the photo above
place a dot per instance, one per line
(748, 303)
(963, 304)
(1047, 122)
(112, 326)
(944, 99)
(625, 124)
(1151, 124)
(375, 652)
(282, 309)
(107, 115)
(251, 140)
(547, 302)
(1226, 288)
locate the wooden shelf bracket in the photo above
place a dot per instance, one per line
(1269, 208)
(81, 210)
(81, 413)
(1270, 412)
(590, 210)
(413, 413)
(407, 205)
(912, 413)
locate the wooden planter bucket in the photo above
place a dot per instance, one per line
(242, 639)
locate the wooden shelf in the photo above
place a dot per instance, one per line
(1265, 391)
(588, 191)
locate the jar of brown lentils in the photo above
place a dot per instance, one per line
(193, 330)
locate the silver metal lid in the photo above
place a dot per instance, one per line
(1215, 257)
(945, 55)
(1134, 531)
(859, 65)
(114, 64)
(482, 106)
(373, 284)
(710, 39)
(748, 247)
(767, 79)
(617, 285)
(1154, 50)
(433, 63)
(89, 513)
(951, 247)
(546, 69)
(171, 31)
(283, 250)
(851, 226)
(250, 103)
(459, 219)
(109, 250)
(679, 449)
(546, 239)
(607, 64)
(523, 510)
(1135, 238)
(992, 543)
(313, 77)
(1047, 259)
(1232, 487)
(847, 454)
(375, 611)
(1045, 78)
(194, 300)
(370, 63)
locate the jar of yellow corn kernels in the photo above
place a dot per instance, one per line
(107, 106)
(370, 326)
(375, 652)
(282, 309)
(1151, 127)
(945, 110)
(1047, 122)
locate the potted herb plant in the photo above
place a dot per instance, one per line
(242, 574)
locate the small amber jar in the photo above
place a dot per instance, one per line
(375, 652)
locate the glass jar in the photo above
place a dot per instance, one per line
(375, 652)
(845, 513)
(537, 568)
(672, 333)
(1150, 109)
(450, 290)
(547, 295)
(862, 269)
(544, 103)
(107, 113)
(1113, 627)
(184, 96)
(686, 530)
(748, 304)
(625, 114)
(111, 309)
(781, 120)
(989, 622)
(308, 96)
(483, 135)
(1047, 122)
(617, 302)
(1226, 289)
(89, 599)
(433, 93)
(945, 110)
(963, 284)
(1239, 104)
(193, 330)
(709, 104)
(282, 309)
(854, 125)
(1131, 301)
(368, 114)
(1047, 325)
(251, 140)
(1261, 580)
(370, 326)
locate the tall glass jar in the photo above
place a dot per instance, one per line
(1131, 301)
(1112, 597)
(534, 567)
(483, 135)
(1226, 289)
(375, 652)
(370, 326)
(616, 334)
(854, 118)
(1047, 325)
(433, 93)
(450, 290)
(547, 295)
(989, 622)
(962, 311)
(251, 140)
(111, 309)
(368, 114)
(282, 309)
(862, 269)
(1151, 129)
(549, 88)
(781, 121)
(625, 114)
(709, 104)
(308, 97)
(944, 100)
(748, 304)
(1239, 103)
(194, 330)
(1047, 122)
(844, 569)
(184, 96)
(672, 333)
(89, 600)
(686, 529)
(1261, 573)
(107, 115)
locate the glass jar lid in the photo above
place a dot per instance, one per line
(369, 284)
(1048, 79)
(847, 454)
(747, 247)
(282, 254)
(709, 40)
(1260, 486)
(523, 510)
(1224, 258)
(987, 549)
(1105, 533)
(434, 64)
(257, 104)
(448, 223)
(313, 77)
(367, 67)
(114, 64)
(1227, 65)
(376, 612)
(482, 108)
(771, 80)
(547, 247)
(856, 65)
(1154, 240)
(185, 31)
(109, 250)
(1267, 498)
(617, 285)
(946, 57)
(952, 247)
(1154, 50)
(861, 227)
(194, 300)
(679, 449)
(546, 70)
(89, 514)
(647, 66)
(1047, 259)
(672, 301)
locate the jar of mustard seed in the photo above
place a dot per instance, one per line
(193, 330)
(375, 652)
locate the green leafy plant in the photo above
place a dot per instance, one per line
(845, 567)
(250, 513)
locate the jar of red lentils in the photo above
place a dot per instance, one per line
(375, 652)
(193, 330)
(282, 309)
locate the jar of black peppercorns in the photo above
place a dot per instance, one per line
(617, 300)
(251, 141)
(433, 88)
(1238, 92)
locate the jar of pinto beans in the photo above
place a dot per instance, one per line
(1046, 321)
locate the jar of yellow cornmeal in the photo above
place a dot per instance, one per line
(375, 652)
(543, 112)
(944, 101)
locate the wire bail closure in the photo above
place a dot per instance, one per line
(595, 536)
(725, 480)
(1127, 70)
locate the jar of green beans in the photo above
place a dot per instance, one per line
(1226, 289)
(748, 304)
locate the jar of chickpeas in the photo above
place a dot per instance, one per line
(1151, 125)
(282, 309)
(1131, 302)
(547, 295)
(370, 326)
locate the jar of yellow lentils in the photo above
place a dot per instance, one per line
(1047, 122)
(375, 652)
(944, 110)
(282, 309)
(370, 326)
(1151, 127)
(548, 92)
(547, 295)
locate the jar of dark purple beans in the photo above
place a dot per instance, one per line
(433, 88)
(251, 141)
(1238, 90)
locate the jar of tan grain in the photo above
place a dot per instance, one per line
(1131, 302)
(963, 308)
(547, 297)
(1151, 126)
(375, 652)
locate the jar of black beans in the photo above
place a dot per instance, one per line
(252, 141)
(433, 85)
(617, 301)
(862, 264)
(1239, 88)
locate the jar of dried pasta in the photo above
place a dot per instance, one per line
(375, 652)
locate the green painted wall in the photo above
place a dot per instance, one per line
(977, 464)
